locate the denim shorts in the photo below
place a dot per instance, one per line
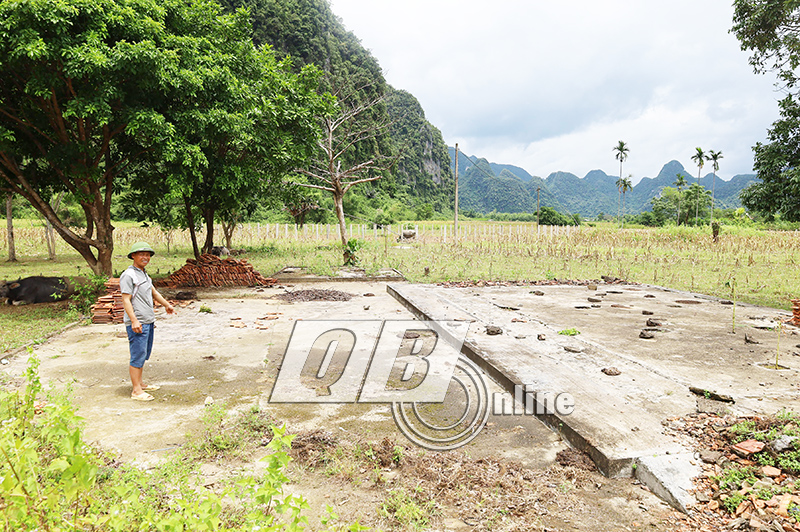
(141, 344)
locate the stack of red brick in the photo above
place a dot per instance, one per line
(795, 312)
(108, 308)
(210, 270)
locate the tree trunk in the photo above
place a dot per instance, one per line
(713, 179)
(168, 237)
(337, 201)
(49, 234)
(12, 250)
(208, 216)
(697, 202)
(227, 231)
(192, 232)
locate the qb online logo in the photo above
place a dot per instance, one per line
(409, 364)
(439, 398)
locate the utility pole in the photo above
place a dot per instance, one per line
(537, 209)
(455, 218)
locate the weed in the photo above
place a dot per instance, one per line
(205, 309)
(351, 257)
(742, 429)
(406, 509)
(732, 477)
(215, 440)
(254, 422)
(397, 454)
(733, 501)
(570, 332)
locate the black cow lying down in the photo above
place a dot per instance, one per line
(38, 289)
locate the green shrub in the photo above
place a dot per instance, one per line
(86, 292)
(733, 502)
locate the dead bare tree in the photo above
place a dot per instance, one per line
(332, 170)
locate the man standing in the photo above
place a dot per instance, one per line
(138, 294)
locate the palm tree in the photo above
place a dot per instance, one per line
(620, 182)
(714, 157)
(700, 159)
(679, 183)
(626, 186)
(621, 153)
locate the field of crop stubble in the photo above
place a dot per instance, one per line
(762, 263)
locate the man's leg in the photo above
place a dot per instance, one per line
(136, 380)
(138, 344)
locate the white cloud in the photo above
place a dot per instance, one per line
(553, 85)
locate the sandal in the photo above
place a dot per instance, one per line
(144, 396)
(151, 387)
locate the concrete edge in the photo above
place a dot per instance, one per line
(668, 476)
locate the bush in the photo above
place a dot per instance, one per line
(424, 211)
(550, 216)
(86, 293)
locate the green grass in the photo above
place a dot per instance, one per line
(20, 326)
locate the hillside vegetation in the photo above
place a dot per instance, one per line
(490, 187)
(309, 32)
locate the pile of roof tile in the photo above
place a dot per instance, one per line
(108, 308)
(210, 270)
(795, 312)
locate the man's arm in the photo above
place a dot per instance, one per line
(158, 297)
(128, 306)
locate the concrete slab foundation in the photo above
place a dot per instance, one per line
(627, 356)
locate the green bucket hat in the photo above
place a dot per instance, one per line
(141, 246)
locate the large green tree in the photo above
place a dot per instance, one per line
(699, 197)
(91, 86)
(770, 31)
(255, 127)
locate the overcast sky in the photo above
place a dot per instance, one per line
(551, 86)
